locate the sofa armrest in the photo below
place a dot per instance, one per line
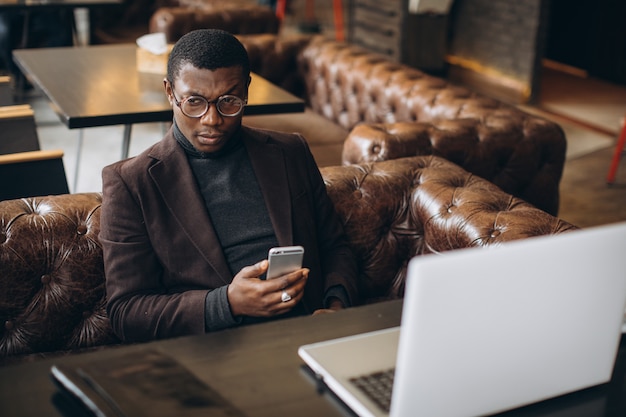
(523, 157)
(394, 210)
(243, 19)
(52, 295)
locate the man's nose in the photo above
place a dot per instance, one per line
(212, 116)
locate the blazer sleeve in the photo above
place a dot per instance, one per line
(139, 306)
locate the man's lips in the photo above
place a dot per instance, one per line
(209, 137)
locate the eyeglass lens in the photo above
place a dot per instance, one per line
(196, 106)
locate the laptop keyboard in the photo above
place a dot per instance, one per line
(377, 386)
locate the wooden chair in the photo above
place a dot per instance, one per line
(6, 94)
(30, 174)
(18, 132)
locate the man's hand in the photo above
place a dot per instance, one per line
(251, 296)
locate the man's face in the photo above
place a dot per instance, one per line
(212, 131)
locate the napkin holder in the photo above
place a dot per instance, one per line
(152, 53)
(153, 63)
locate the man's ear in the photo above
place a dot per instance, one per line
(168, 90)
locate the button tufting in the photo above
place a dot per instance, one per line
(82, 229)
(495, 233)
(45, 279)
(8, 325)
(3, 237)
(376, 149)
(86, 314)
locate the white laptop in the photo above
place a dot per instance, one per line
(486, 330)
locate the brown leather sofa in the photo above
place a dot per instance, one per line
(229, 16)
(52, 292)
(387, 110)
(134, 18)
(125, 22)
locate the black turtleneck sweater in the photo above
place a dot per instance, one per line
(239, 215)
(234, 201)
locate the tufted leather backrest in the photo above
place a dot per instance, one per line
(395, 210)
(235, 18)
(52, 293)
(275, 58)
(351, 85)
(525, 162)
(394, 110)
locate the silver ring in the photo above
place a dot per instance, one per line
(285, 297)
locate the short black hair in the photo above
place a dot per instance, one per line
(207, 49)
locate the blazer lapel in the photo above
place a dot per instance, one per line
(177, 186)
(269, 166)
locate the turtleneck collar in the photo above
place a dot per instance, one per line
(233, 143)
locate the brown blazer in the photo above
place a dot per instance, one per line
(161, 252)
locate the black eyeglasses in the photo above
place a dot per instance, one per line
(197, 106)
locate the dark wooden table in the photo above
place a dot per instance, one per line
(100, 86)
(257, 369)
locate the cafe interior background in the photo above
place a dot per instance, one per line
(564, 60)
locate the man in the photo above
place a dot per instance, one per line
(186, 225)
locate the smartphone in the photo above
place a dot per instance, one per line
(283, 260)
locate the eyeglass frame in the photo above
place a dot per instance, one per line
(209, 102)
